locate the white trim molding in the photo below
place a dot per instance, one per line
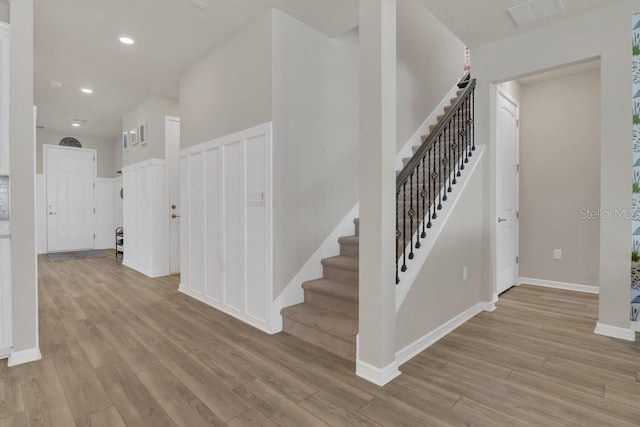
(615, 332)
(24, 356)
(558, 285)
(378, 376)
(426, 341)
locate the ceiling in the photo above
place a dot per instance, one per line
(76, 43)
(481, 21)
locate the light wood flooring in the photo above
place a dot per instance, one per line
(121, 349)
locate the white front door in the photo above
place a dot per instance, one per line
(71, 175)
(172, 131)
(507, 190)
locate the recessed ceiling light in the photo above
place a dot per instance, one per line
(86, 90)
(75, 125)
(126, 40)
(55, 84)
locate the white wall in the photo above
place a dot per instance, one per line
(229, 89)
(559, 178)
(117, 154)
(146, 218)
(4, 12)
(315, 131)
(430, 62)
(104, 148)
(105, 214)
(151, 112)
(603, 33)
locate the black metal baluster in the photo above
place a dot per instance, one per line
(423, 194)
(397, 238)
(404, 226)
(434, 177)
(473, 113)
(440, 172)
(449, 159)
(443, 160)
(468, 145)
(454, 156)
(430, 195)
(411, 215)
(418, 217)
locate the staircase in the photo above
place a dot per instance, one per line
(328, 317)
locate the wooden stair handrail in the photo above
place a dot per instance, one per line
(408, 169)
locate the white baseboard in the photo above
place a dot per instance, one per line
(24, 356)
(256, 323)
(426, 341)
(558, 285)
(378, 376)
(615, 332)
(491, 306)
(5, 352)
(312, 269)
(148, 273)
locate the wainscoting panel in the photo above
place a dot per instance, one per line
(146, 218)
(227, 224)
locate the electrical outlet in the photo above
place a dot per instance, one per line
(465, 273)
(557, 254)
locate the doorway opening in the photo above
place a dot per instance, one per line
(552, 175)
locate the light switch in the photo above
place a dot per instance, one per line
(255, 199)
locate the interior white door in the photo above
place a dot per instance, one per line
(71, 176)
(507, 190)
(172, 136)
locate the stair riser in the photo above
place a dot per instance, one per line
(337, 346)
(331, 303)
(339, 274)
(349, 250)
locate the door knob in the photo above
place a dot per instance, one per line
(501, 220)
(52, 213)
(175, 216)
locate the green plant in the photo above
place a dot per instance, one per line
(636, 188)
(635, 257)
(636, 119)
(636, 50)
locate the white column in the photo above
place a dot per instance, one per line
(376, 343)
(23, 175)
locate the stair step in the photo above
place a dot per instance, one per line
(349, 246)
(333, 295)
(333, 331)
(333, 288)
(341, 268)
(336, 324)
